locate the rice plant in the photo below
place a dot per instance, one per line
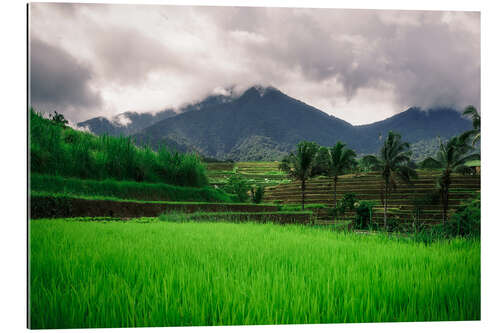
(145, 272)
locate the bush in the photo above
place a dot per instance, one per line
(347, 203)
(257, 194)
(238, 185)
(429, 163)
(364, 213)
(466, 222)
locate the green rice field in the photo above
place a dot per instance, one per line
(147, 272)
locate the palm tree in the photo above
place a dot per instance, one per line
(340, 161)
(393, 163)
(476, 123)
(452, 157)
(299, 165)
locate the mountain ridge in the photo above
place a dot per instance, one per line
(263, 123)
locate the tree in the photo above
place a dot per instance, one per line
(430, 163)
(58, 119)
(322, 161)
(340, 161)
(238, 185)
(257, 194)
(369, 163)
(393, 164)
(300, 165)
(476, 123)
(452, 157)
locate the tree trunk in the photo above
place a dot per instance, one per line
(446, 182)
(445, 206)
(303, 188)
(335, 190)
(385, 206)
(335, 196)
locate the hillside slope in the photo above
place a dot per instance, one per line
(416, 125)
(265, 124)
(129, 123)
(262, 115)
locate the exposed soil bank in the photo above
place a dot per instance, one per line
(47, 206)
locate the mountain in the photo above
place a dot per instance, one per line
(128, 123)
(265, 124)
(262, 117)
(416, 125)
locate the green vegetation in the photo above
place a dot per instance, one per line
(293, 208)
(466, 222)
(111, 274)
(429, 163)
(35, 194)
(258, 148)
(473, 163)
(368, 163)
(471, 112)
(58, 119)
(190, 267)
(340, 160)
(238, 186)
(59, 150)
(424, 148)
(346, 204)
(256, 173)
(282, 217)
(257, 194)
(393, 163)
(452, 157)
(125, 189)
(364, 213)
(300, 165)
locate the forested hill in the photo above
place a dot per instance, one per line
(128, 123)
(416, 124)
(265, 124)
(263, 121)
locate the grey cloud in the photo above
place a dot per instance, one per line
(59, 80)
(427, 64)
(127, 56)
(410, 57)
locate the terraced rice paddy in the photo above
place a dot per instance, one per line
(257, 173)
(144, 272)
(402, 203)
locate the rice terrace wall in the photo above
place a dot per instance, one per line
(53, 206)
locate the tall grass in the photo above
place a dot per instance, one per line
(112, 274)
(56, 150)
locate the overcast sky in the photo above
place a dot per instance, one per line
(358, 65)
